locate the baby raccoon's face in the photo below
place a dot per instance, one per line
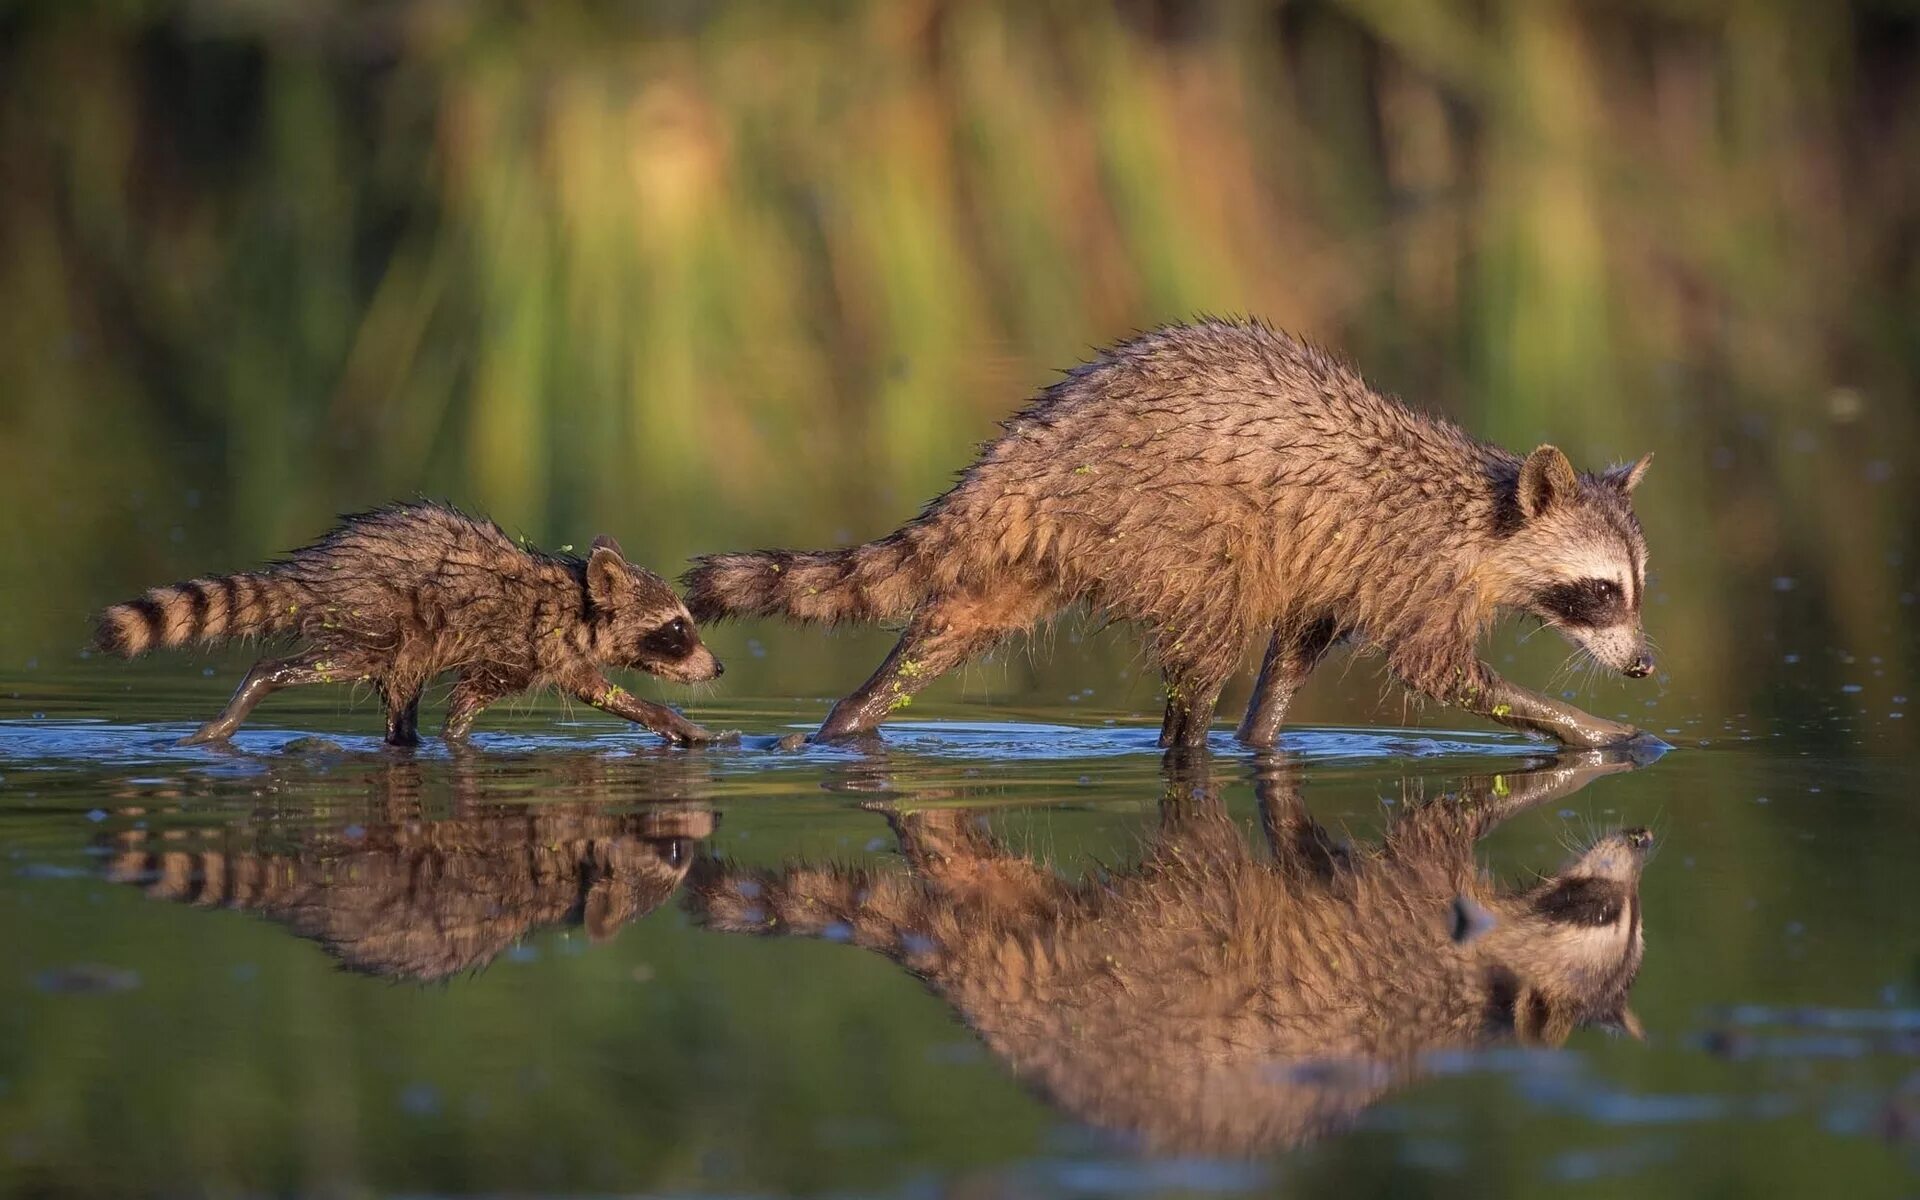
(640, 621)
(1570, 948)
(1578, 560)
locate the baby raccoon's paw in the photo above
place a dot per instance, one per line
(1596, 733)
(694, 735)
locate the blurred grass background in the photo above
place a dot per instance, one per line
(721, 275)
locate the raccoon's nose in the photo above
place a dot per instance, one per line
(1639, 837)
(719, 668)
(1641, 666)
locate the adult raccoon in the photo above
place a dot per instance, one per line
(1218, 483)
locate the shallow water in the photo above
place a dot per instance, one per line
(311, 963)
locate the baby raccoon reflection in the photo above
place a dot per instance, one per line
(1212, 1000)
(405, 898)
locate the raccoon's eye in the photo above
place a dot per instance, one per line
(671, 640)
(1590, 902)
(1583, 602)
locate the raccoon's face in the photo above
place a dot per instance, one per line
(1566, 952)
(630, 877)
(640, 621)
(1578, 560)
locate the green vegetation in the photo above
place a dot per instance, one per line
(746, 274)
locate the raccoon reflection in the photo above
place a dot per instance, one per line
(1211, 999)
(404, 896)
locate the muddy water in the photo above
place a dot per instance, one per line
(311, 963)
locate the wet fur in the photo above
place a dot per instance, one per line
(1209, 999)
(426, 899)
(399, 595)
(1216, 483)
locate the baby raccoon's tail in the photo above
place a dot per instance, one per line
(200, 610)
(880, 580)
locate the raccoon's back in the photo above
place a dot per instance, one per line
(424, 571)
(413, 545)
(1212, 459)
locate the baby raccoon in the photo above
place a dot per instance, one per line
(399, 595)
(415, 897)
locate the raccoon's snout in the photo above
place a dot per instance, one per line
(1639, 837)
(1640, 667)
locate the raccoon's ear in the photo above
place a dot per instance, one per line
(1546, 479)
(607, 578)
(605, 542)
(1627, 476)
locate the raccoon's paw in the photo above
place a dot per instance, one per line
(1644, 748)
(694, 735)
(1587, 732)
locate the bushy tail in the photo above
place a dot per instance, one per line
(874, 582)
(200, 610)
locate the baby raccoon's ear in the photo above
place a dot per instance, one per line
(605, 542)
(607, 578)
(1627, 476)
(1546, 479)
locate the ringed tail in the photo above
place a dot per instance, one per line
(878, 581)
(200, 610)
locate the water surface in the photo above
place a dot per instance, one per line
(312, 963)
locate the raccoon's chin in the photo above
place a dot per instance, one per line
(1625, 655)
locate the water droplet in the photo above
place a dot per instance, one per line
(420, 1100)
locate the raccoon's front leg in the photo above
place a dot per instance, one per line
(470, 697)
(1510, 704)
(1291, 657)
(595, 689)
(1492, 800)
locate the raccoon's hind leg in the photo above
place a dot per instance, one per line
(1292, 654)
(946, 632)
(403, 711)
(952, 850)
(268, 676)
